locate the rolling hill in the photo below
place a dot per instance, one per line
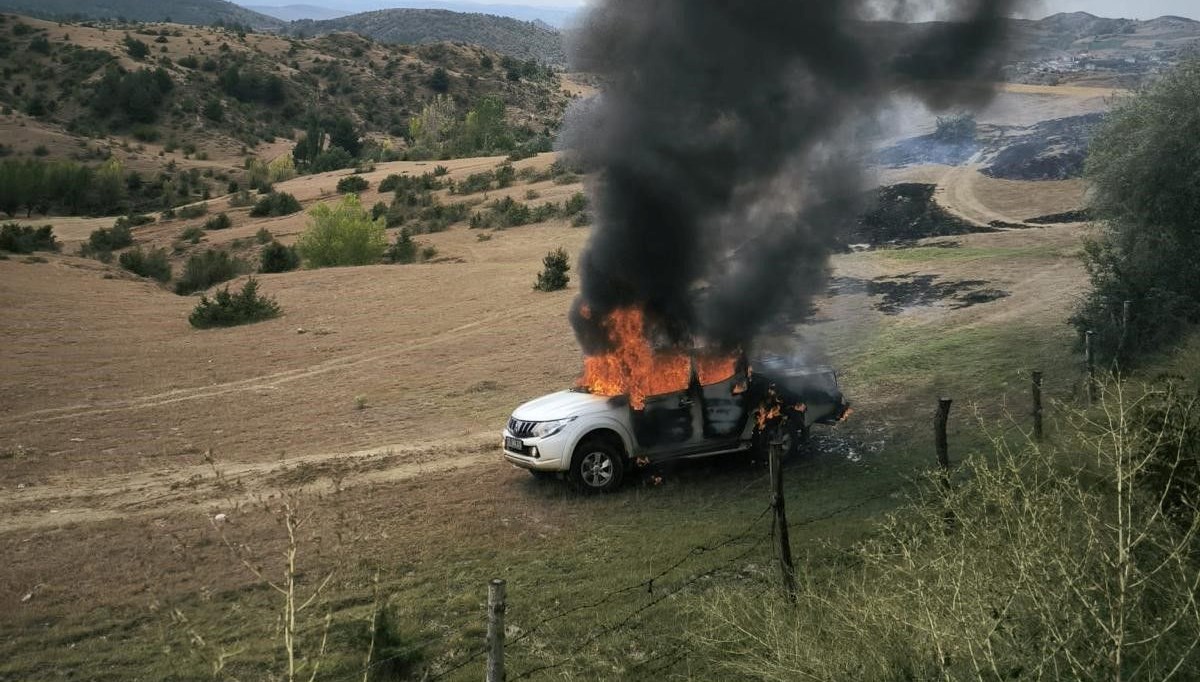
(207, 98)
(196, 12)
(297, 12)
(519, 39)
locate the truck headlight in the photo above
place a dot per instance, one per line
(547, 429)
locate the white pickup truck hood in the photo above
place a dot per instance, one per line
(562, 405)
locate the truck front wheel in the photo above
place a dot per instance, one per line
(597, 466)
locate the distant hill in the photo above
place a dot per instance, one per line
(555, 16)
(196, 12)
(519, 39)
(1075, 33)
(297, 12)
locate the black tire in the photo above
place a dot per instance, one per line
(597, 466)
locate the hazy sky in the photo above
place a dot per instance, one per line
(1130, 9)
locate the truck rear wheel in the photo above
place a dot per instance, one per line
(597, 466)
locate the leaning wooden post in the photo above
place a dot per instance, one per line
(495, 631)
(785, 544)
(1089, 357)
(942, 442)
(1037, 406)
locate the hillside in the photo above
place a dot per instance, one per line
(197, 12)
(297, 12)
(207, 98)
(519, 39)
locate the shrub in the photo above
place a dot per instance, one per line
(218, 222)
(379, 210)
(403, 250)
(439, 171)
(428, 253)
(341, 235)
(203, 270)
(554, 276)
(193, 211)
(276, 257)
(275, 204)
(24, 239)
(264, 236)
(152, 264)
(227, 309)
(352, 184)
(334, 158)
(240, 198)
(192, 234)
(107, 240)
(578, 203)
(475, 182)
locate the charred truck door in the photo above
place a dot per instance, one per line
(699, 419)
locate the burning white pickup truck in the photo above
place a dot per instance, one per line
(592, 440)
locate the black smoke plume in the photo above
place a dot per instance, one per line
(728, 141)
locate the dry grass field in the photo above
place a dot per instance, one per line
(380, 394)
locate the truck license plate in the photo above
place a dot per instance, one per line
(513, 444)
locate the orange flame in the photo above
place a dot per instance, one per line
(634, 368)
(770, 409)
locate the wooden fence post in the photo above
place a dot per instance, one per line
(943, 454)
(1089, 356)
(941, 440)
(1037, 406)
(785, 544)
(495, 631)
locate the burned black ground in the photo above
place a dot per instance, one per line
(896, 294)
(903, 214)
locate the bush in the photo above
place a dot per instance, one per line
(193, 211)
(264, 236)
(206, 269)
(334, 158)
(342, 235)
(218, 222)
(1044, 559)
(107, 240)
(152, 264)
(578, 203)
(403, 250)
(192, 234)
(275, 204)
(475, 182)
(230, 310)
(24, 239)
(554, 275)
(241, 198)
(276, 257)
(352, 184)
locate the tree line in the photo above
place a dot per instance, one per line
(33, 186)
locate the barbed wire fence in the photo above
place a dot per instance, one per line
(751, 539)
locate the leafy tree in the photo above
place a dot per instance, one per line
(343, 133)
(108, 185)
(334, 158)
(484, 127)
(433, 125)
(1143, 167)
(341, 235)
(131, 97)
(554, 276)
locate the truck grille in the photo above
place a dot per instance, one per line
(521, 429)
